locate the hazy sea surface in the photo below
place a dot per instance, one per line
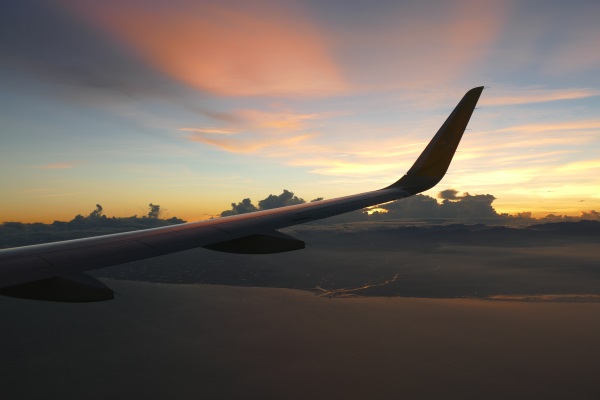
(160, 341)
(384, 312)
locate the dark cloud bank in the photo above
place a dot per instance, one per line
(14, 234)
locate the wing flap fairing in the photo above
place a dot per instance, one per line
(74, 288)
(259, 243)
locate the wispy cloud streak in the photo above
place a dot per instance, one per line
(510, 97)
(64, 165)
(251, 131)
(217, 131)
(250, 144)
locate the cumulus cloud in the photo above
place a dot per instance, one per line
(154, 210)
(286, 198)
(592, 214)
(97, 213)
(466, 206)
(419, 206)
(244, 206)
(524, 215)
(469, 206)
(448, 194)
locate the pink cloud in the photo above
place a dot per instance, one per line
(230, 48)
(413, 47)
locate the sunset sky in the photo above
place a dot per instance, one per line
(196, 104)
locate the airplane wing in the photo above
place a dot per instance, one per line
(54, 271)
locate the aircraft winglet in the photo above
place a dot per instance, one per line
(432, 164)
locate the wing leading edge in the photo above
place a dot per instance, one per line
(47, 271)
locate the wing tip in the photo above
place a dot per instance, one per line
(432, 164)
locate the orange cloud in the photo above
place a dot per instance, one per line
(217, 131)
(245, 119)
(287, 121)
(255, 130)
(249, 144)
(227, 48)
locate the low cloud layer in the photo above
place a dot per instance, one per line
(95, 223)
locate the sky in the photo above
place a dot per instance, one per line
(196, 104)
